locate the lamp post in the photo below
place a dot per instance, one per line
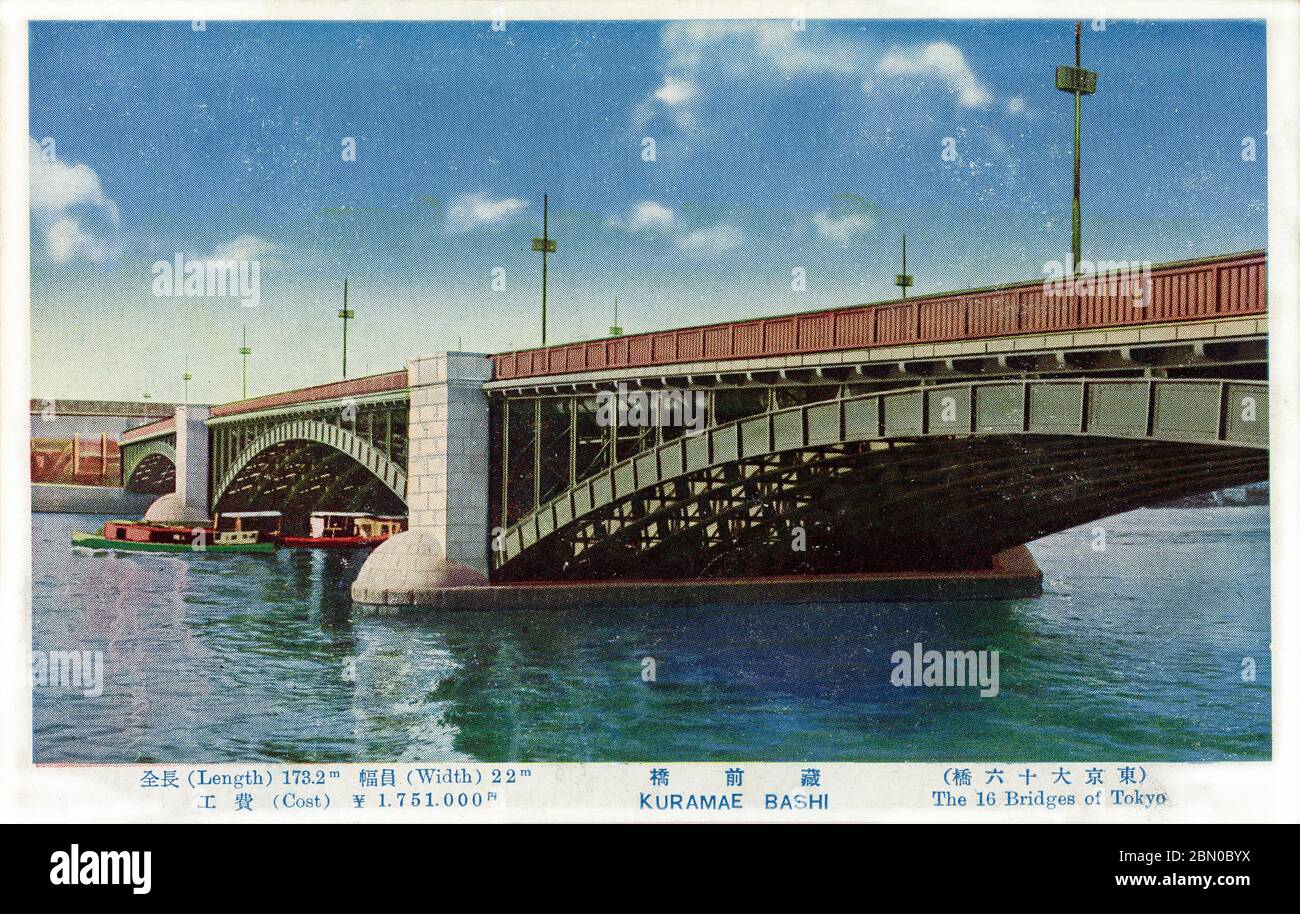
(903, 280)
(1079, 82)
(616, 330)
(546, 245)
(186, 377)
(244, 351)
(347, 314)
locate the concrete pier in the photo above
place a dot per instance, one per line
(448, 464)
(189, 503)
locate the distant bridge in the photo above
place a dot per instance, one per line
(76, 441)
(922, 433)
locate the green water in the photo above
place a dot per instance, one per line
(1134, 652)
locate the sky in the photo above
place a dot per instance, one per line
(412, 158)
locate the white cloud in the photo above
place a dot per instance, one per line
(704, 60)
(701, 56)
(754, 47)
(1015, 105)
(62, 196)
(841, 229)
(247, 248)
(715, 239)
(942, 61)
(57, 187)
(64, 241)
(647, 215)
(675, 91)
(470, 211)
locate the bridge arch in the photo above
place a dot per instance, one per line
(338, 439)
(945, 471)
(149, 466)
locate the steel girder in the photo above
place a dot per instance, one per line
(354, 446)
(298, 477)
(149, 454)
(1060, 450)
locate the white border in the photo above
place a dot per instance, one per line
(1241, 792)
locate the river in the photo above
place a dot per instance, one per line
(1134, 651)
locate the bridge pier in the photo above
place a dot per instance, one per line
(448, 464)
(189, 503)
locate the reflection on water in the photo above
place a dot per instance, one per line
(1133, 652)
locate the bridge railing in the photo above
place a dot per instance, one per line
(1192, 290)
(149, 430)
(336, 390)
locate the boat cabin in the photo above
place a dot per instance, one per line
(265, 523)
(347, 524)
(144, 536)
(136, 532)
(373, 525)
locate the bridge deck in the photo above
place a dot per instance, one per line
(1227, 286)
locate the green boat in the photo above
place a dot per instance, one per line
(134, 536)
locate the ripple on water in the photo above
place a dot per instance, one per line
(1133, 652)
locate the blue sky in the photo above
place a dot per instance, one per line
(775, 149)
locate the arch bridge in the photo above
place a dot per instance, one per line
(949, 474)
(923, 434)
(149, 457)
(907, 435)
(338, 447)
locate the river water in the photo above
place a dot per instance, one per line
(1135, 651)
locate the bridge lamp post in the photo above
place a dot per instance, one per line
(546, 245)
(347, 314)
(904, 280)
(244, 351)
(616, 330)
(187, 377)
(1079, 82)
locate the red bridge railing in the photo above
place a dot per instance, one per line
(1188, 290)
(338, 390)
(149, 430)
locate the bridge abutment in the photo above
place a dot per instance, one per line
(448, 466)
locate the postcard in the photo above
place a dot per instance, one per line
(513, 412)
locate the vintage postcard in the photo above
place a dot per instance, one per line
(734, 412)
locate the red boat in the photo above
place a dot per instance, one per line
(141, 536)
(346, 530)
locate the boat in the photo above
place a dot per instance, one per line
(347, 529)
(138, 536)
(266, 523)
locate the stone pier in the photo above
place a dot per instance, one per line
(189, 503)
(446, 490)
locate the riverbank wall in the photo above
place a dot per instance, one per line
(51, 498)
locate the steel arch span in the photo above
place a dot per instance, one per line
(927, 479)
(359, 452)
(149, 467)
